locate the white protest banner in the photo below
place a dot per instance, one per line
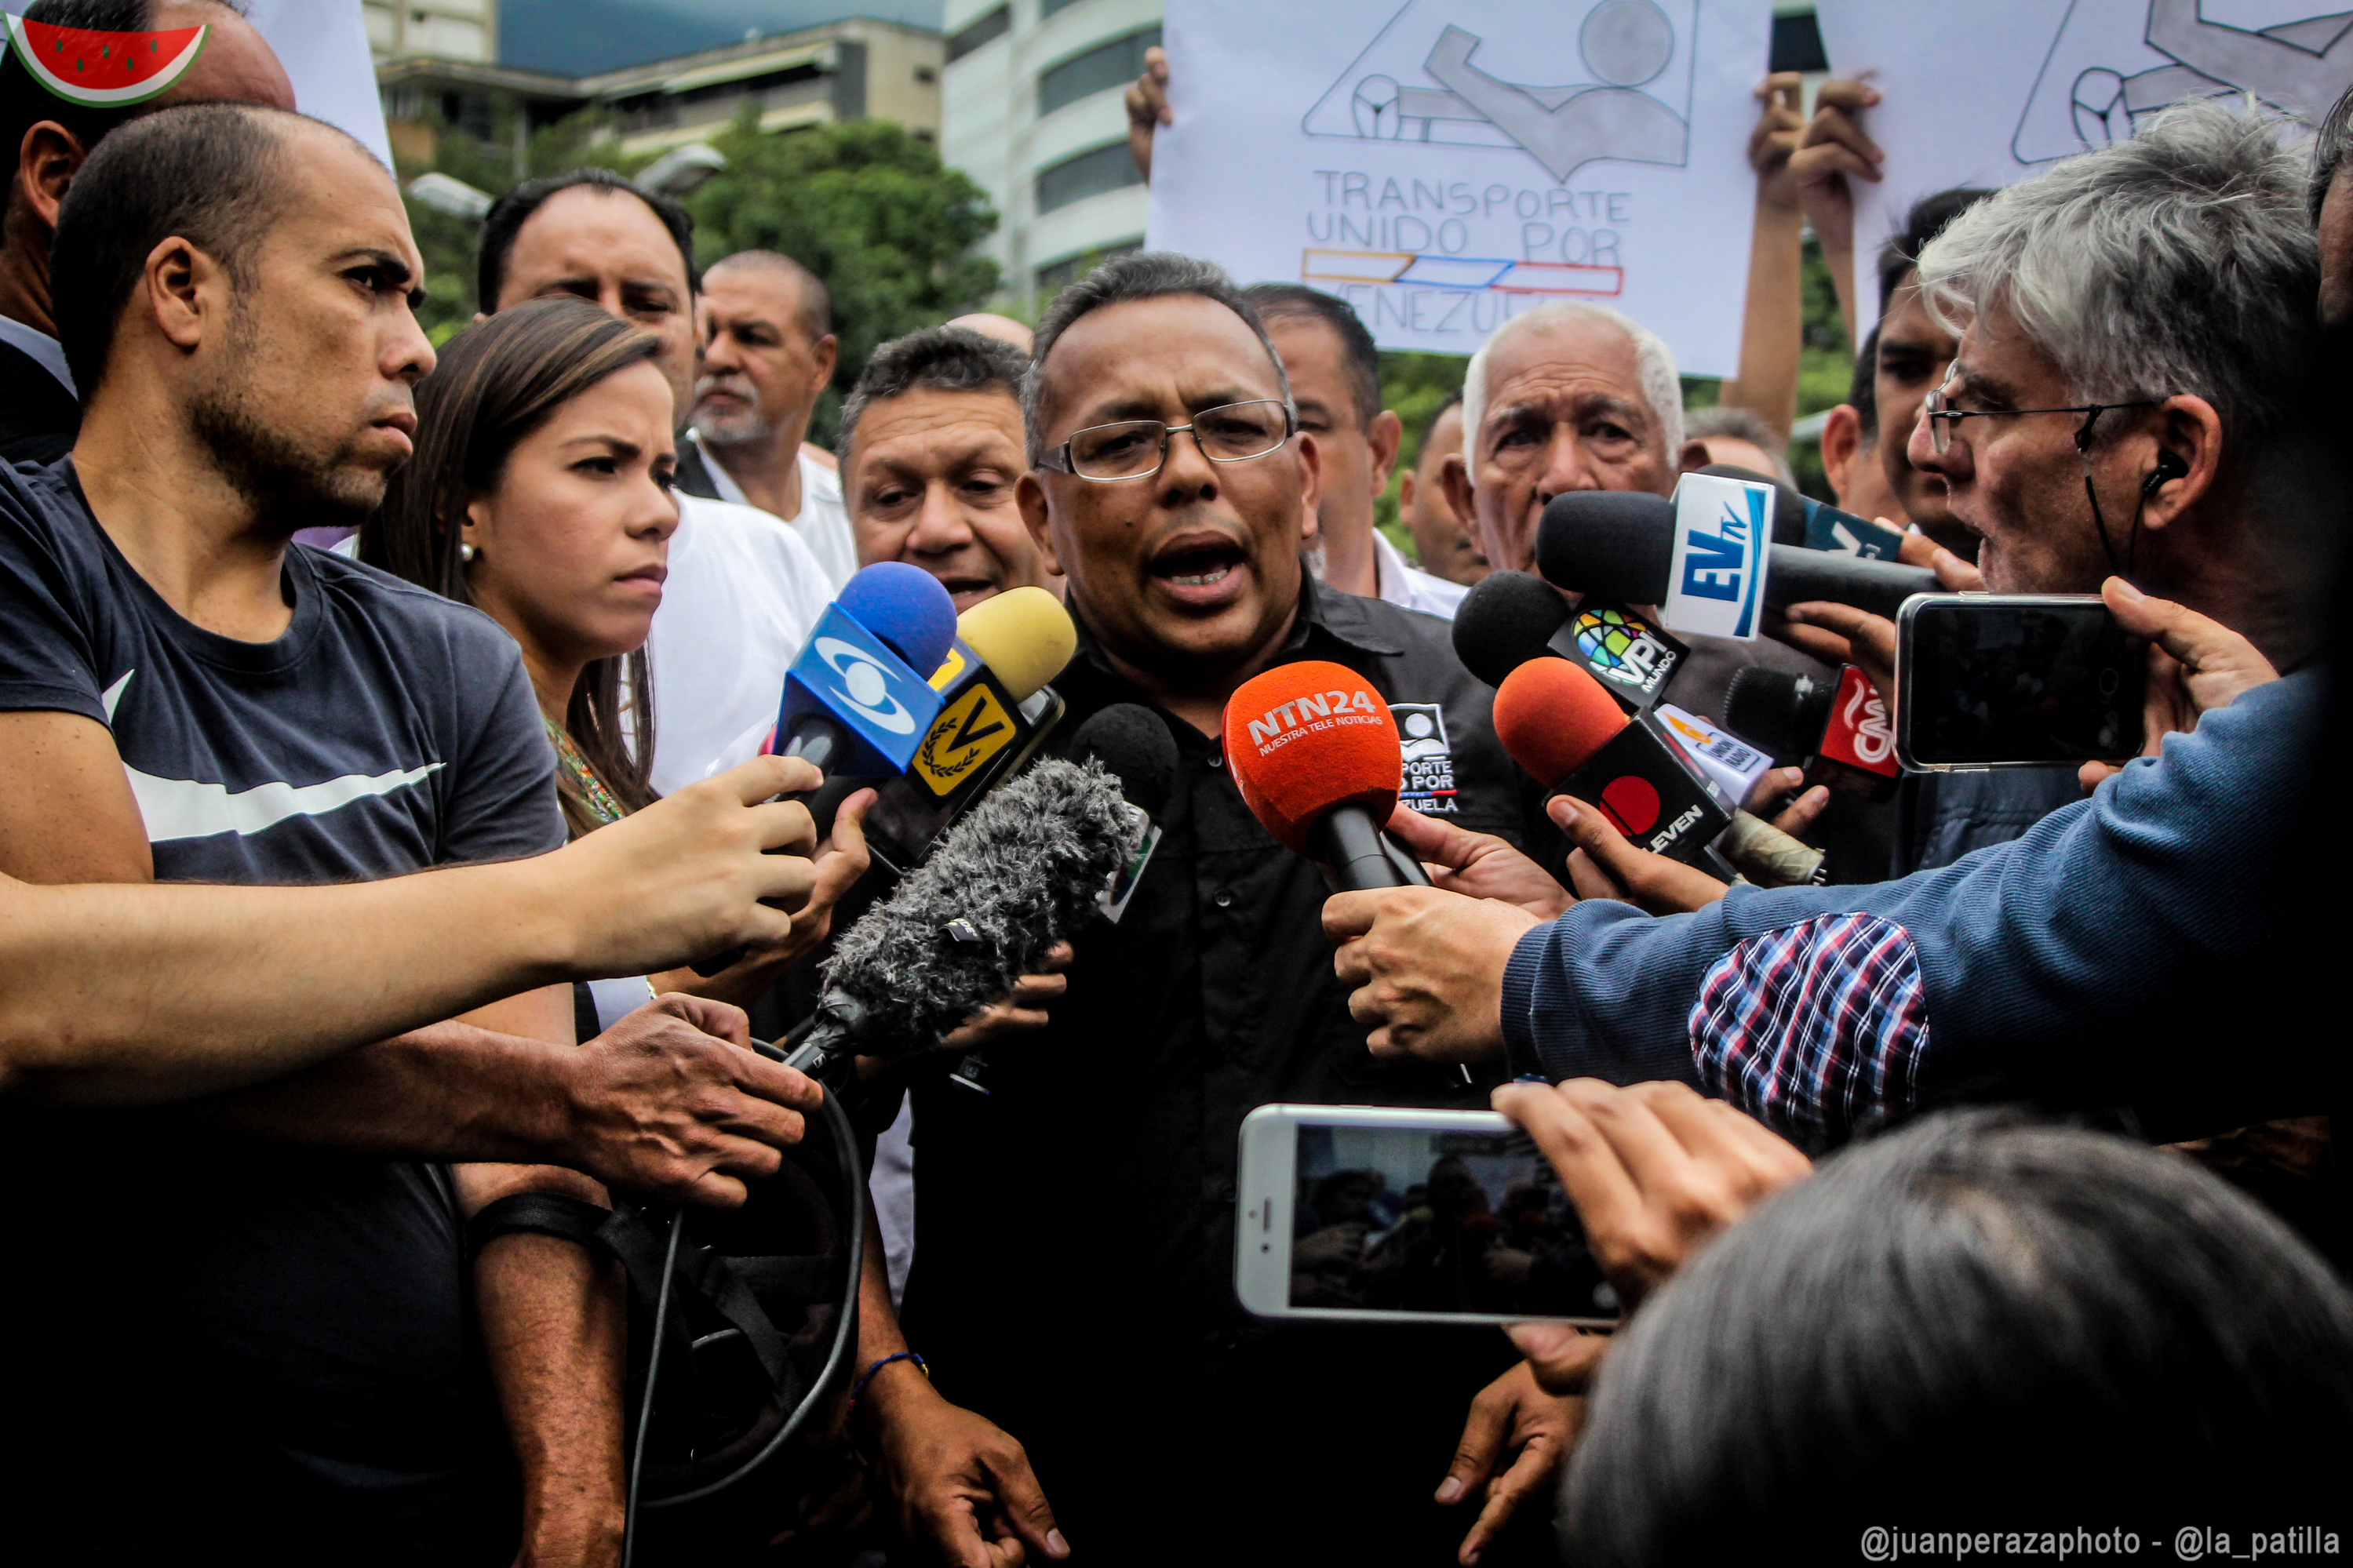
(1442, 164)
(1989, 92)
(323, 46)
(1716, 579)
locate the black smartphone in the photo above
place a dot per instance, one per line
(2015, 680)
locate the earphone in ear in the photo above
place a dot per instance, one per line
(2169, 467)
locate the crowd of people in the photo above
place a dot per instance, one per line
(386, 752)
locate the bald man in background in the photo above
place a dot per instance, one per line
(48, 138)
(768, 355)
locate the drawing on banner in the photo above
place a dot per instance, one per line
(1626, 97)
(2096, 86)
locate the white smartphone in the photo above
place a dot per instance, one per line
(1402, 1215)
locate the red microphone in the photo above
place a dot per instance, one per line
(1315, 755)
(1571, 736)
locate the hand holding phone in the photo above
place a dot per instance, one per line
(2015, 680)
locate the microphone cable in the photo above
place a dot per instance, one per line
(845, 1334)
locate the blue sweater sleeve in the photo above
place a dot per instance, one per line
(2061, 964)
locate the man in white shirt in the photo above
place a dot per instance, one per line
(1335, 379)
(768, 355)
(743, 589)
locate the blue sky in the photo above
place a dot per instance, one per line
(581, 36)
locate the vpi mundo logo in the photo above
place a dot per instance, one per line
(1717, 579)
(865, 686)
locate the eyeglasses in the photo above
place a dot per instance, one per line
(1135, 448)
(1942, 416)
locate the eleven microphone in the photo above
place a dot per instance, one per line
(1573, 738)
(1619, 545)
(1838, 730)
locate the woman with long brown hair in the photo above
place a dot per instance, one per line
(540, 494)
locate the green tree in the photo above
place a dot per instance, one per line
(1413, 386)
(869, 209)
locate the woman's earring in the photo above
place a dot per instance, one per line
(466, 553)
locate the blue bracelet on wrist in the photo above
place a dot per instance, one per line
(859, 1386)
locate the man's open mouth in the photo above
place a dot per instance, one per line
(1203, 565)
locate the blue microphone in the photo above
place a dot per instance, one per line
(857, 698)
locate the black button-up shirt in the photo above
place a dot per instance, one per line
(1073, 1271)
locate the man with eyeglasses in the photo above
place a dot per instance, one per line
(2116, 407)
(1075, 1225)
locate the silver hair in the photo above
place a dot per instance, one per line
(1653, 366)
(2178, 262)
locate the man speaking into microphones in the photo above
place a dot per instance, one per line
(1073, 1275)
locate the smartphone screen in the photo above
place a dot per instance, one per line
(1987, 681)
(1420, 1219)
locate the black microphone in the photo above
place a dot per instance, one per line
(1132, 744)
(1619, 545)
(1809, 524)
(1017, 874)
(1510, 617)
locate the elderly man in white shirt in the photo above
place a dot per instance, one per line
(768, 355)
(1335, 380)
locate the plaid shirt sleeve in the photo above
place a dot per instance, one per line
(1817, 1027)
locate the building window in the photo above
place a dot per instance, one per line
(926, 75)
(1048, 7)
(1055, 277)
(1100, 68)
(1106, 168)
(982, 30)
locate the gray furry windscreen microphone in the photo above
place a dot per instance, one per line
(1018, 874)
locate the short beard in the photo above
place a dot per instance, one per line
(287, 486)
(748, 428)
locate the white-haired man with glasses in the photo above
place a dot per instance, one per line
(1073, 1275)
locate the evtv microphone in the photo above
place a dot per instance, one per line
(1839, 730)
(995, 709)
(1619, 545)
(1019, 873)
(1570, 736)
(856, 700)
(1131, 744)
(1314, 752)
(1809, 524)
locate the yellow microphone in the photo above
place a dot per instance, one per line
(995, 708)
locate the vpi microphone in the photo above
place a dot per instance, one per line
(1573, 738)
(1620, 546)
(1510, 617)
(856, 700)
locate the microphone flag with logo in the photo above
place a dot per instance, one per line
(1570, 736)
(1638, 559)
(1314, 752)
(855, 703)
(1839, 730)
(995, 709)
(1626, 649)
